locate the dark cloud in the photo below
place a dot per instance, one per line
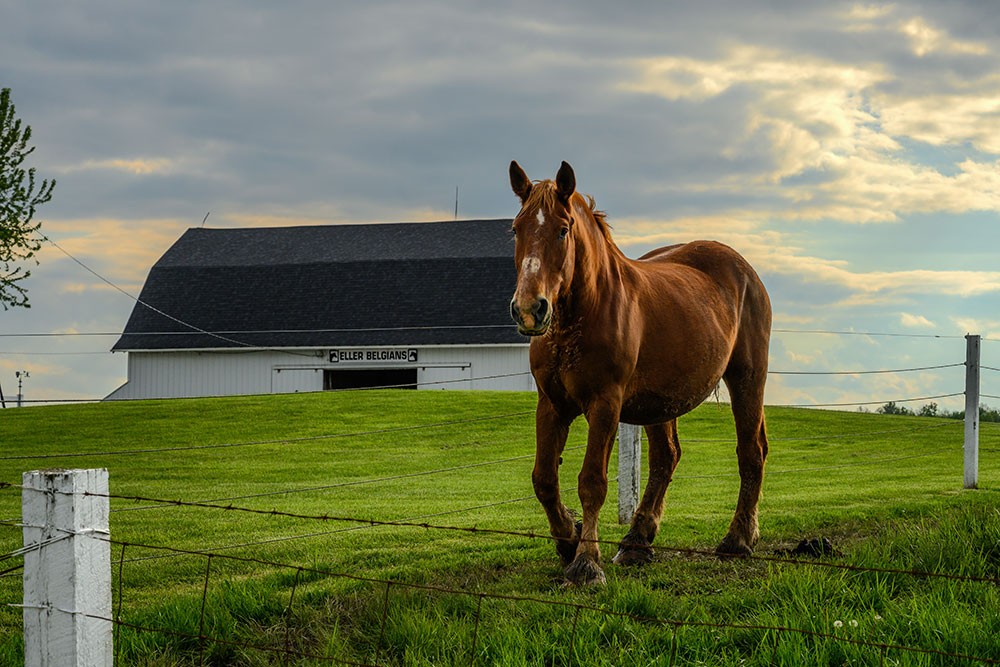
(376, 111)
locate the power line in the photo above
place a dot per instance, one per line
(42, 334)
(55, 354)
(137, 299)
(402, 385)
(154, 308)
(407, 328)
(863, 333)
(888, 370)
(898, 400)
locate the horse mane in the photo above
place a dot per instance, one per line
(544, 194)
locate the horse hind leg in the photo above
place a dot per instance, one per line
(664, 453)
(746, 390)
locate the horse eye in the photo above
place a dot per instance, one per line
(563, 232)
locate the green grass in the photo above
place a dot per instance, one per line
(879, 507)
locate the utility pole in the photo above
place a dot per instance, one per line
(20, 375)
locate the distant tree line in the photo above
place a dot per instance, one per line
(986, 413)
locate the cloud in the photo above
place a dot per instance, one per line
(832, 133)
(770, 251)
(139, 166)
(909, 320)
(970, 115)
(987, 327)
(860, 12)
(925, 39)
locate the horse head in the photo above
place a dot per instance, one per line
(544, 252)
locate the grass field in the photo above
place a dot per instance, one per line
(891, 499)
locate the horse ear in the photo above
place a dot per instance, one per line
(519, 181)
(565, 182)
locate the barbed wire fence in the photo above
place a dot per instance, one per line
(113, 620)
(418, 522)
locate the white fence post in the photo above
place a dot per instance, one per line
(67, 573)
(971, 411)
(629, 459)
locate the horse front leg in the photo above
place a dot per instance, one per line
(551, 431)
(664, 453)
(602, 418)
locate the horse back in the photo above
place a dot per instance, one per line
(711, 260)
(704, 290)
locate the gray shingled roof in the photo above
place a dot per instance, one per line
(383, 284)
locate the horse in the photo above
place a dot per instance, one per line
(638, 341)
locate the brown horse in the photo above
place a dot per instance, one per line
(639, 341)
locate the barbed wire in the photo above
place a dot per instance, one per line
(481, 595)
(496, 531)
(576, 606)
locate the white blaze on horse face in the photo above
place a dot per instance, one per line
(540, 217)
(530, 265)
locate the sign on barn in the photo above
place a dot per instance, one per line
(374, 355)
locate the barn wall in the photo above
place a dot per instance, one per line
(189, 373)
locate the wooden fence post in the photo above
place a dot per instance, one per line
(67, 573)
(629, 460)
(971, 466)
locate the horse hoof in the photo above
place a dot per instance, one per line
(732, 547)
(633, 555)
(567, 548)
(584, 571)
(634, 549)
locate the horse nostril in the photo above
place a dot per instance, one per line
(541, 308)
(515, 315)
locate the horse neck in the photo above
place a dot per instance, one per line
(597, 269)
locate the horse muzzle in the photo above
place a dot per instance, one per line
(534, 320)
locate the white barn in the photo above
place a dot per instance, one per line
(292, 309)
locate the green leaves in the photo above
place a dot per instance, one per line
(18, 202)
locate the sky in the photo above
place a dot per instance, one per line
(851, 152)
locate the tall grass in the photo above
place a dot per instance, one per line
(902, 507)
